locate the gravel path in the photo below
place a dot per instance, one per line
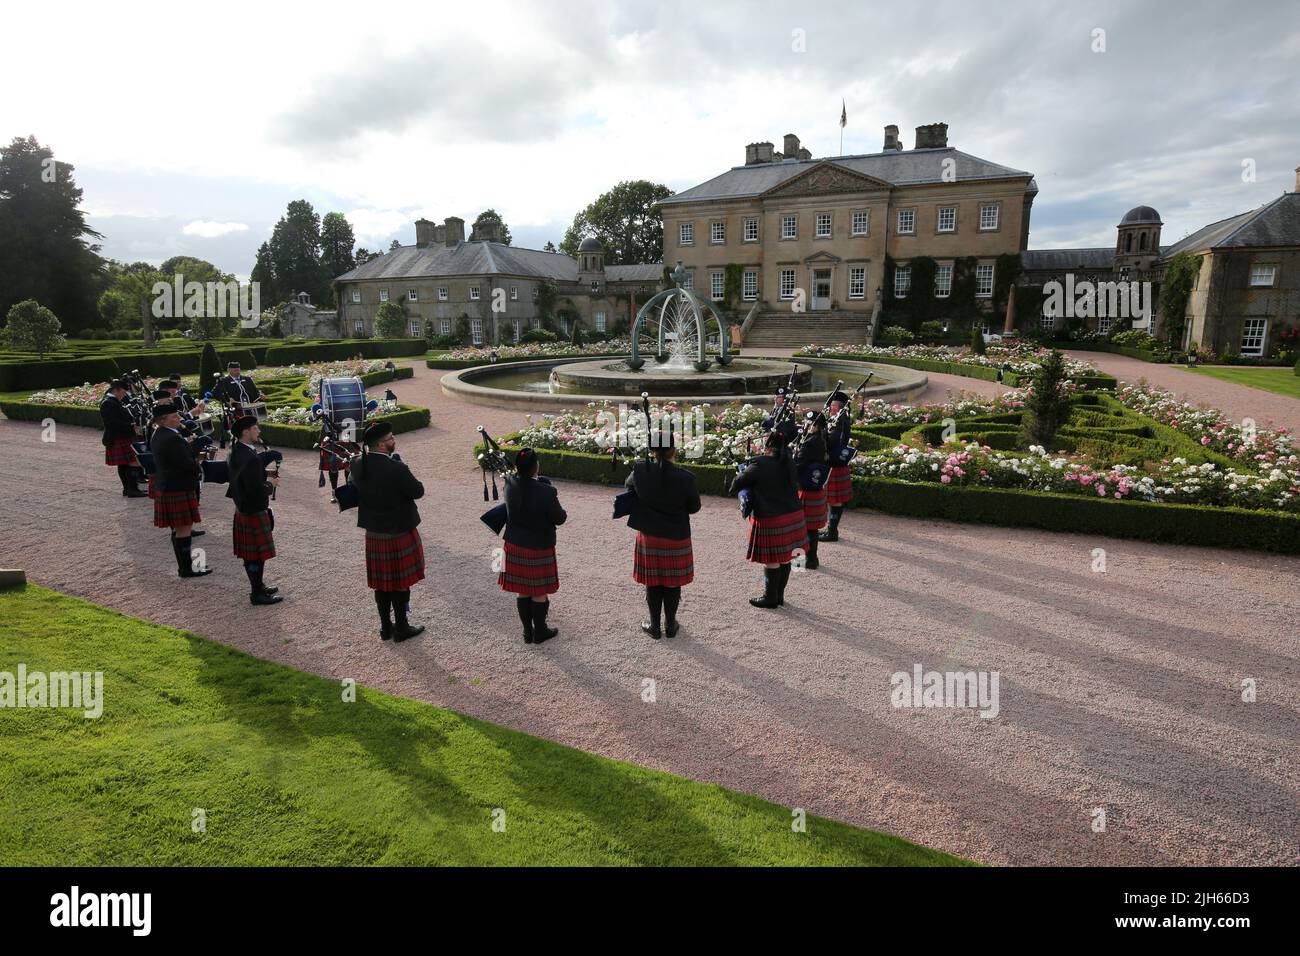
(1118, 691)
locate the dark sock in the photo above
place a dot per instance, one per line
(254, 571)
(836, 513)
(654, 599)
(401, 601)
(184, 559)
(124, 476)
(384, 601)
(672, 598)
(524, 606)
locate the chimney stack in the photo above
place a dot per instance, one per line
(1297, 179)
(804, 154)
(423, 233)
(758, 153)
(455, 230)
(485, 231)
(891, 138)
(791, 146)
(439, 235)
(934, 136)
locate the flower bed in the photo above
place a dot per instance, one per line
(1016, 363)
(534, 351)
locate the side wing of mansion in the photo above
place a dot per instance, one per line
(443, 277)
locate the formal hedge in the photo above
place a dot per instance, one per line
(453, 365)
(987, 373)
(1197, 525)
(19, 371)
(406, 418)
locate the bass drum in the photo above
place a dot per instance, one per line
(344, 402)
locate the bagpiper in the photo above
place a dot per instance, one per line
(813, 468)
(175, 506)
(663, 561)
(386, 493)
(533, 513)
(233, 389)
(776, 526)
(788, 428)
(120, 432)
(839, 490)
(250, 488)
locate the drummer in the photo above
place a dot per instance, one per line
(234, 390)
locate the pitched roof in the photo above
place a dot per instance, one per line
(898, 167)
(641, 272)
(465, 259)
(1274, 224)
(1059, 259)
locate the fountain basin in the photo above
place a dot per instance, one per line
(739, 378)
(527, 385)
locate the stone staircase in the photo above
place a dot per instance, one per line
(771, 329)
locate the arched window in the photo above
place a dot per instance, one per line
(1142, 243)
(1128, 242)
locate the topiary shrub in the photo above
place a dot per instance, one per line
(209, 367)
(895, 335)
(539, 335)
(977, 340)
(1047, 406)
(931, 332)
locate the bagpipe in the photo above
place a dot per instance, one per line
(627, 504)
(848, 450)
(785, 415)
(493, 459)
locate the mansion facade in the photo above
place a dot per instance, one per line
(812, 235)
(443, 277)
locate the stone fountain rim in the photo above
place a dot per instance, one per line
(906, 383)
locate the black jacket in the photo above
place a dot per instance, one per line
(838, 438)
(387, 492)
(118, 422)
(532, 512)
(788, 430)
(228, 390)
(772, 481)
(666, 497)
(810, 462)
(175, 467)
(249, 486)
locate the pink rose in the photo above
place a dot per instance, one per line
(946, 479)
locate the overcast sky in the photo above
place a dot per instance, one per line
(192, 128)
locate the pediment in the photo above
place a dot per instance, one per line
(822, 256)
(827, 179)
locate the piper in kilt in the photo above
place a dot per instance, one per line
(776, 526)
(119, 433)
(811, 464)
(250, 488)
(177, 476)
(839, 490)
(532, 514)
(663, 561)
(386, 493)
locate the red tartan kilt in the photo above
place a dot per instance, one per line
(252, 537)
(773, 540)
(814, 508)
(175, 509)
(120, 452)
(839, 490)
(325, 463)
(662, 562)
(153, 488)
(394, 561)
(531, 572)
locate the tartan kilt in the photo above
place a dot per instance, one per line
(530, 572)
(327, 462)
(662, 562)
(772, 540)
(119, 452)
(175, 509)
(814, 508)
(153, 487)
(252, 536)
(394, 561)
(839, 489)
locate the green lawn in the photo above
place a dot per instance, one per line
(288, 773)
(1284, 381)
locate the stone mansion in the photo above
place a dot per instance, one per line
(442, 277)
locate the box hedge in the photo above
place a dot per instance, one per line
(988, 374)
(1197, 525)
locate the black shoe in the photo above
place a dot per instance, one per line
(197, 534)
(671, 628)
(385, 630)
(134, 493)
(541, 632)
(407, 631)
(264, 598)
(768, 600)
(811, 563)
(270, 590)
(651, 628)
(191, 573)
(829, 534)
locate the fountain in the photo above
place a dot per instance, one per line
(682, 369)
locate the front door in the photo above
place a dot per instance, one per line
(821, 297)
